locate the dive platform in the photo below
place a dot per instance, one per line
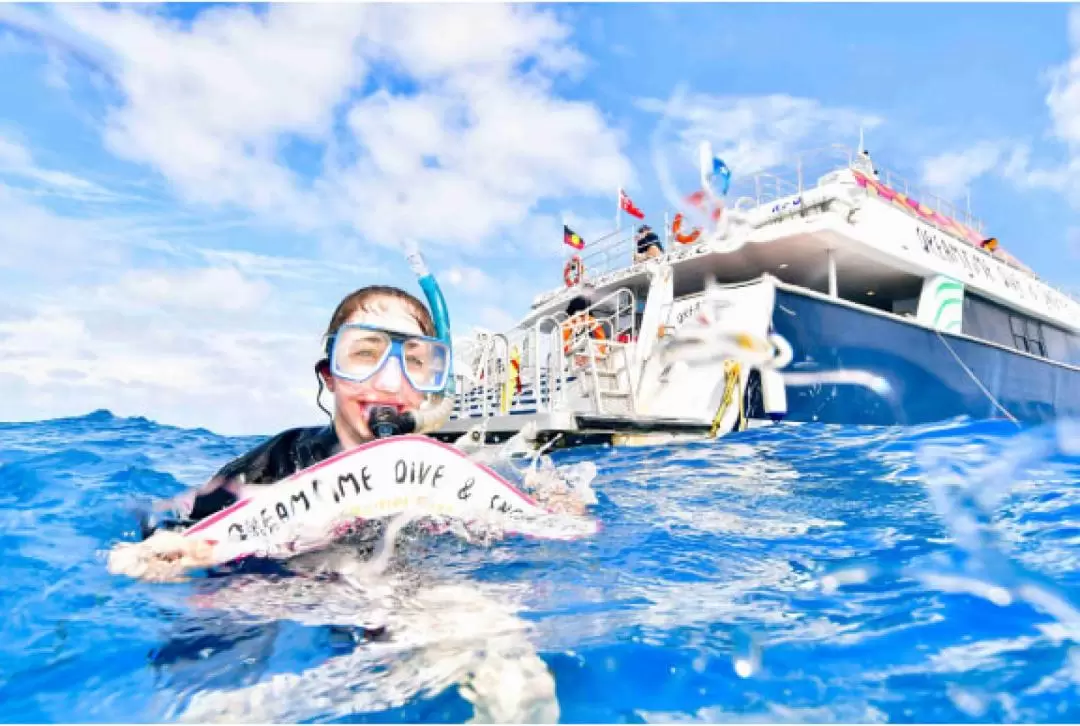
(567, 428)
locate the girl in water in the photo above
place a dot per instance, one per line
(386, 364)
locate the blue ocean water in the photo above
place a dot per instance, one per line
(795, 573)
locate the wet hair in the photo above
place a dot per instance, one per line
(365, 299)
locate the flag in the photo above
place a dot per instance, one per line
(721, 170)
(699, 198)
(628, 206)
(572, 238)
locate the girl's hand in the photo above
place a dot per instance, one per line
(163, 557)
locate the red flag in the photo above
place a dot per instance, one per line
(628, 206)
(698, 199)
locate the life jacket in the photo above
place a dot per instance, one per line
(571, 327)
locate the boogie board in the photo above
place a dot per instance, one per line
(381, 479)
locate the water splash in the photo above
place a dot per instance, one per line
(711, 337)
(439, 635)
(966, 501)
(725, 232)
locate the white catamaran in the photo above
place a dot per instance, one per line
(842, 295)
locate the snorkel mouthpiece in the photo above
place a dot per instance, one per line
(385, 421)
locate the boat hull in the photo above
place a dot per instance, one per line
(931, 376)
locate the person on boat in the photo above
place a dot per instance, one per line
(648, 244)
(580, 322)
(387, 365)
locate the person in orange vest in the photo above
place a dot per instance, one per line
(578, 322)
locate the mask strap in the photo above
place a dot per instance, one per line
(318, 396)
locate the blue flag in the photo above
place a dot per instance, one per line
(721, 170)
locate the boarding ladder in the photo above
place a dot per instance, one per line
(604, 365)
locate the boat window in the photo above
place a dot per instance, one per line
(1033, 331)
(986, 320)
(1027, 335)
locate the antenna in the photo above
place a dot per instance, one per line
(862, 146)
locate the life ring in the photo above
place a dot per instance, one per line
(574, 271)
(683, 239)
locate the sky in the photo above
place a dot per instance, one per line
(186, 192)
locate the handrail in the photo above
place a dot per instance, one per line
(609, 253)
(554, 349)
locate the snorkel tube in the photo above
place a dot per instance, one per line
(435, 412)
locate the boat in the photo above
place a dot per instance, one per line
(870, 302)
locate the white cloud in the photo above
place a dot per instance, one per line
(16, 160)
(13, 155)
(291, 268)
(207, 105)
(212, 288)
(55, 72)
(1063, 100)
(1063, 106)
(497, 319)
(216, 346)
(228, 341)
(50, 247)
(471, 152)
(152, 350)
(756, 133)
(470, 279)
(949, 174)
(442, 41)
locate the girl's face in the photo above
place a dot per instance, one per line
(388, 386)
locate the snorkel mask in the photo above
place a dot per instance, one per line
(356, 352)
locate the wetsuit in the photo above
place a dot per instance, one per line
(236, 647)
(269, 462)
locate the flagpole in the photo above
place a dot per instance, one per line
(565, 227)
(618, 210)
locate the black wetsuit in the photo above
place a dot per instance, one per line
(269, 462)
(235, 646)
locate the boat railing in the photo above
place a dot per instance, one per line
(613, 251)
(818, 167)
(812, 168)
(547, 329)
(485, 393)
(490, 373)
(809, 170)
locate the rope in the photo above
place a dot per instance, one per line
(977, 381)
